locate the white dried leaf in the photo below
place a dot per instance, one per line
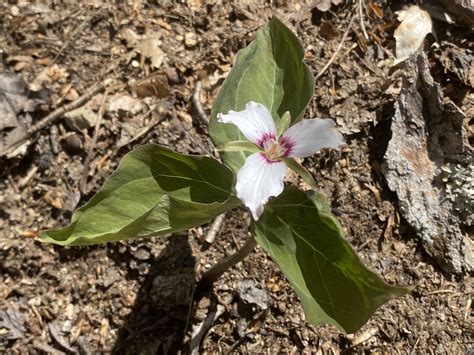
(148, 48)
(130, 36)
(322, 5)
(410, 34)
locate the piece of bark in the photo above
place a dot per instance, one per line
(428, 135)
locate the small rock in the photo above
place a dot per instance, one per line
(190, 40)
(251, 294)
(14, 11)
(80, 119)
(124, 104)
(142, 254)
(72, 143)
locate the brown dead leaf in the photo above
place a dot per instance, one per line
(375, 9)
(327, 31)
(69, 93)
(155, 85)
(55, 197)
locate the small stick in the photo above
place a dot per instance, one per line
(328, 64)
(85, 171)
(200, 330)
(211, 275)
(46, 348)
(214, 228)
(196, 99)
(29, 175)
(54, 331)
(361, 19)
(53, 116)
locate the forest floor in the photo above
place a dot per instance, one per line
(114, 297)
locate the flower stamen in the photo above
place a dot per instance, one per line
(273, 150)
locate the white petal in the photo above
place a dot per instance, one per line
(257, 180)
(308, 136)
(255, 122)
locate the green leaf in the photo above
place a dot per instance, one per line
(237, 146)
(301, 170)
(153, 191)
(334, 287)
(270, 71)
(283, 123)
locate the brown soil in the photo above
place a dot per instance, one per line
(122, 297)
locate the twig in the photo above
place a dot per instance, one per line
(85, 171)
(54, 331)
(328, 64)
(46, 348)
(214, 228)
(361, 19)
(200, 330)
(29, 175)
(196, 99)
(54, 116)
(438, 292)
(211, 275)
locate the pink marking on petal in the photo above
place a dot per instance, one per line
(287, 144)
(263, 138)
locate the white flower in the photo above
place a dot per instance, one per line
(262, 174)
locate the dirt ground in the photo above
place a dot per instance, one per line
(137, 296)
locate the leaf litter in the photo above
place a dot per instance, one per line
(123, 313)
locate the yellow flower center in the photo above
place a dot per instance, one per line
(273, 150)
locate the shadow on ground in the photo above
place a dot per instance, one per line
(158, 320)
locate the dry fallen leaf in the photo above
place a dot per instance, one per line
(148, 48)
(155, 85)
(410, 34)
(325, 5)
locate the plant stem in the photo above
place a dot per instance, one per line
(211, 275)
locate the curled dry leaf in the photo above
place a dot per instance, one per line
(410, 34)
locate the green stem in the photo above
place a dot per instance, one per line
(211, 275)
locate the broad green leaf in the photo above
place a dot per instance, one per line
(270, 71)
(334, 287)
(153, 191)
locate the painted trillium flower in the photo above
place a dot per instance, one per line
(262, 174)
